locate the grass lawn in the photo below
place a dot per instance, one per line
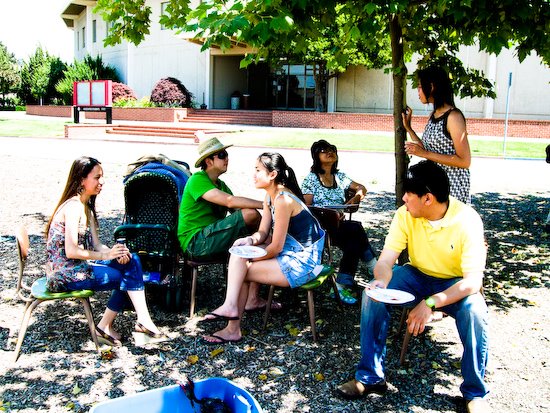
(292, 138)
(372, 142)
(32, 128)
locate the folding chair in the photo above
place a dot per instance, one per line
(324, 272)
(37, 293)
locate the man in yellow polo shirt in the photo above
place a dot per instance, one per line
(447, 254)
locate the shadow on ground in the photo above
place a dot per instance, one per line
(284, 370)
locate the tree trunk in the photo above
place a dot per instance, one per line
(399, 104)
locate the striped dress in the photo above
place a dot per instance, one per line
(436, 138)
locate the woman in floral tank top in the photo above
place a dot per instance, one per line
(445, 140)
(77, 260)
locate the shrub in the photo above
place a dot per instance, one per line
(122, 92)
(144, 102)
(171, 92)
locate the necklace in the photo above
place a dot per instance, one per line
(327, 180)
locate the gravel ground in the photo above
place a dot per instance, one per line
(285, 371)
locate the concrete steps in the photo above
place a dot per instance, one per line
(149, 130)
(235, 117)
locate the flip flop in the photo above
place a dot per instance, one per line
(104, 338)
(221, 340)
(218, 317)
(142, 339)
(275, 306)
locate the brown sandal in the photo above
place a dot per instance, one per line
(140, 328)
(107, 339)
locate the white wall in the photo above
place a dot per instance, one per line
(362, 90)
(162, 54)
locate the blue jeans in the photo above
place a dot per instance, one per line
(470, 315)
(110, 275)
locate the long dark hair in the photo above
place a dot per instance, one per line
(316, 149)
(442, 88)
(273, 161)
(80, 169)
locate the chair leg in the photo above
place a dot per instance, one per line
(268, 305)
(406, 337)
(336, 293)
(404, 347)
(194, 272)
(23, 329)
(311, 308)
(403, 320)
(90, 317)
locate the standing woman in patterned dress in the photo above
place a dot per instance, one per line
(445, 139)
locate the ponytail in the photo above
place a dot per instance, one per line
(274, 161)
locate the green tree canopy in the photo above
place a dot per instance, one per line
(331, 29)
(9, 73)
(39, 76)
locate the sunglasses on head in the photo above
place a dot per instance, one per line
(329, 149)
(221, 155)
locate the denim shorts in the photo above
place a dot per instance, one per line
(297, 262)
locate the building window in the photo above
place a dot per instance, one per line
(293, 86)
(94, 31)
(83, 37)
(78, 40)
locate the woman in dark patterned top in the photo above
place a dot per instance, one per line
(77, 260)
(445, 139)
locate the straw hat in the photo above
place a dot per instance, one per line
(209, 147)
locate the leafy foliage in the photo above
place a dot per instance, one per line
(171, 92)
(122, 92)
(339, 33)
(9, 74)
(144, 102)
(39, 76)
(88, 69)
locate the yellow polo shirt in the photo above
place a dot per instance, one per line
(456, 246)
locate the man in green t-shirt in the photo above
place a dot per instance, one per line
(205, 229)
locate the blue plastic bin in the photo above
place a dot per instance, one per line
(173, 399)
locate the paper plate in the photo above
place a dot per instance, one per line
(390, 296)
(248, 251)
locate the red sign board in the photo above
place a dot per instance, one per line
(93, 93)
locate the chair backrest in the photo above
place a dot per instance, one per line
(151, 198)
(330, 221)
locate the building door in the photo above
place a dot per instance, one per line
(292, 87)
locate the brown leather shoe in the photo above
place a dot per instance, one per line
(353, 389)
(478, 406)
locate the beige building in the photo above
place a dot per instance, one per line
(212, 76)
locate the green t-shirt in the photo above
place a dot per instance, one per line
(196, 213)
